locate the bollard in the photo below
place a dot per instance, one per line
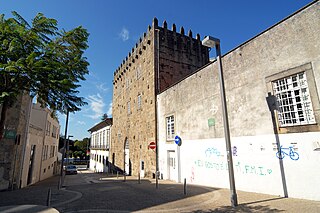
(139, 178)
(117, 174)
(185, 187)
(49, 197)
(59, 183)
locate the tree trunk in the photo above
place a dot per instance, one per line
(3, 117)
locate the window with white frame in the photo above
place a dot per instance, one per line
(108, 138)
(295, 106)
(170, 127)
(104, 138)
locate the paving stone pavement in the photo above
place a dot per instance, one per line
(93, 192)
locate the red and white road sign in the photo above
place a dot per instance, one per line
(152, 145)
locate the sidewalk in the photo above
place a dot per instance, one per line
(218, 200)
(169, 197)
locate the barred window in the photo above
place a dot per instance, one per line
(170, 127)
(295, 106)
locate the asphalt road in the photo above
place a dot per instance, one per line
(93, 192)
(109, 194)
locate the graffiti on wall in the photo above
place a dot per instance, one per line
(214, 160)
(243, 168)
(289, 152)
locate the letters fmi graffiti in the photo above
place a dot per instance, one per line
(239, 167)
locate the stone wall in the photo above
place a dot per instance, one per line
(149, 67)
(12, 149)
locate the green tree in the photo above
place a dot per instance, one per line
(104, 117)
(82, 145)
(42, 60)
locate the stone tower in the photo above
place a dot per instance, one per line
(161, 58)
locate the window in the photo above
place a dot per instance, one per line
(45, 152)
(52, 151)
(104, 138)
(129, 110)
(127, 83)
(170, 127)
(138, 72)
(108, 138)
(48, 127)
(295, 106)
(139, 102)
(54, 131)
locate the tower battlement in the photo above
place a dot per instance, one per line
(172, 46)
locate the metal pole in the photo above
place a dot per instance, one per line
(49, 197)
(67, 154)
(185, 187)
(64, 148)
(234, 200)
(272, 103)
(156, 107)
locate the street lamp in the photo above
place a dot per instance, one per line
(209, 41)
(64, 150)
(68, 144)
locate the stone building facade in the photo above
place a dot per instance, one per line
(12, 146)
(284, 60)
(161, 58)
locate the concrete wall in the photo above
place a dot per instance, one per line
(35, 137)
(41, 136)
(290, 46)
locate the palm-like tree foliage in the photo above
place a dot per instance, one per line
(43, 61)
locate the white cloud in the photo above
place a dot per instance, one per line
(102, 87)
(110, 110)
(81, 122)
(96, 105)
(124, 34)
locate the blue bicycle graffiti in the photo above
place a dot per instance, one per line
(292, 154)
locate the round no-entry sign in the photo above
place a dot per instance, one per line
(152, 145)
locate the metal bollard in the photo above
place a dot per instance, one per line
(139, 178)
(49, 197)
(185, 187)
(117, 174)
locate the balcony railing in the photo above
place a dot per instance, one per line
(104, 147)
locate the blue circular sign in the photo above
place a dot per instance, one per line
(177, 140)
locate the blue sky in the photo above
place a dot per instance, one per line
(115, 27)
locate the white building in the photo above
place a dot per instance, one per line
(100, 145)
(40, 158)
(284, 60)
